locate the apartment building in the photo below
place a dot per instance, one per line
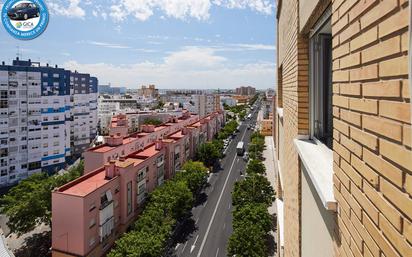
(109, 105)
(92, 211)
(150, 91)
(37, 110)
(202, 104)
(246, 91)
(84, 111)
(343, 128)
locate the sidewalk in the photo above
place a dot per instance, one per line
(269, 162)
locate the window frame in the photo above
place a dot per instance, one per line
(313, 79)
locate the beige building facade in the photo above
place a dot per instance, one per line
(342, 128)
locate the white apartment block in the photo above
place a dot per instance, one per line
(37, 123)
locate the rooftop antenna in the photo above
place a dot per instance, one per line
(18, 53)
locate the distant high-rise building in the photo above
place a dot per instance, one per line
(48, 116)
(245, 91)
(108, 89)
(149, 91)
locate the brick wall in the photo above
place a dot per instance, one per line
(372, 131)
(293, 97)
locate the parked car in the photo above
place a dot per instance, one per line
(246, 156)
(24, 11)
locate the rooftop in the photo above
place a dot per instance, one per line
(177, 135)
(145, 153)
(86, 184)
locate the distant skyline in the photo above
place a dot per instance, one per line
(200, 44)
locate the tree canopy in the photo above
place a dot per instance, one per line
(28, 204)
(254, 189)
(255, 167)
(152, 121)
(208, 153)
(166, 205)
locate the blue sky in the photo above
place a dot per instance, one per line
(170, 43)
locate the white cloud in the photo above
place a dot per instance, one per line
(144, 9)
(189, 68)
(105, 44)
(120, 10)
(261, 6)
(255, 47)
(182, 9)
(69, 8)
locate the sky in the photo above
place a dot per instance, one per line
(201, 44)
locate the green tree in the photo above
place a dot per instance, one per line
(242, 115)
(139, 243)
(252, 214)
(194, 174)
(159, 105)
(152, 121)
(247, 242)
(174, 197)
(254, 189)
(28, 204)
(208, 154)
(255, 167)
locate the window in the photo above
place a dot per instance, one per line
(142, 174)
(320, 90)
(92, 241)
(92, 223)
(92, 207)
(105, 199)
(280, 87)
(129, 197)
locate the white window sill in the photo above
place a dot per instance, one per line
(280, 174)
(280, 218)
(318, 162)
(279, 112)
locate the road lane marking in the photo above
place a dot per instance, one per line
(217, 204)
(197, 220)
(224, 226)
(177, 246)
(184, 247)
(229, 206)
(217, 252)
(194, 244)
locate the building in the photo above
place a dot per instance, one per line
(248, 91)
(202, 104)
(266, 126)
(227, 100)
(343, 128)
(83, 111)
(109, 105)
(102, 204)
(47, 116)
(149, 92)
(136, 119)
(108, 89)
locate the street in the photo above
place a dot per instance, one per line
(213, 218)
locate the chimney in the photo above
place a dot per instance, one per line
(159, 145)
(110, 169)
(56, 66)
(47, 65)
(2, 63)
(17, 58)
(122, 158)
(113, 140)
(148, 128)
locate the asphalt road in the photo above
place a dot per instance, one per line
(213, 219)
